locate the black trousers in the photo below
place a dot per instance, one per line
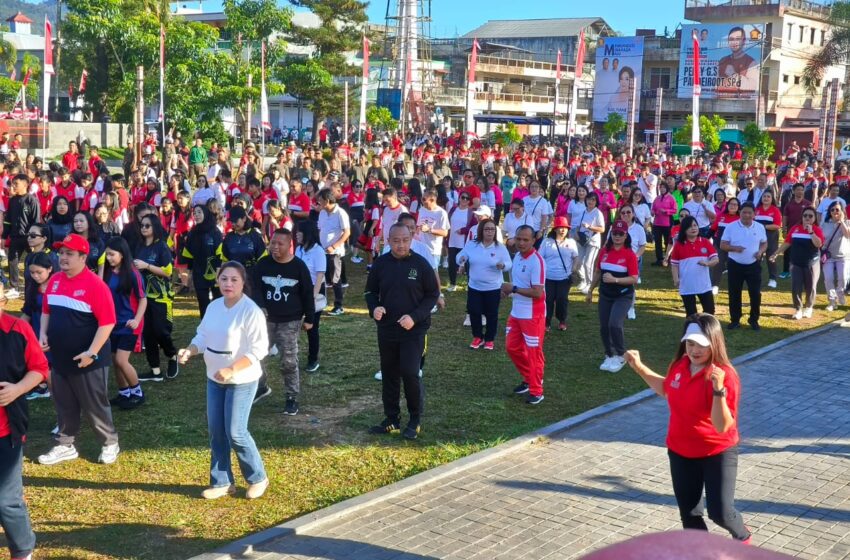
(157, 332)
(706, 300)
(400, 359)
(661, 233)
(485, 303)
(18, 248)
(453, 253)
(205, 292)
(716, 474)
(738, 275)
(14, 516)
(557, 299)
(313, 339)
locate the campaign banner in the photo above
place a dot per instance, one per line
(619, 63)
(729, 60)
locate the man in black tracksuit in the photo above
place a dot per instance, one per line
(23, 212)
(401, 290)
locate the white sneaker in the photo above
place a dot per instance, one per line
(451, 288)
(830, 307)
(356, 260)
(606, 365)
(617, 363)
(807, 313)
(771, 283)
(715, 290)
(58, 454)
(109, 454)
(631, 314)
(466, 321)
(378, 376)
(12, 293)
(584, 289)
(273, 350)
(798, 314)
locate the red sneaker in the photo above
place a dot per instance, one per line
(489, 345)
(476, 343)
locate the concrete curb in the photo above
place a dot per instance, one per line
(244, 547)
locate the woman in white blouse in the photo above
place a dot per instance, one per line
(560, 254)
(588, 225)
(233, 338)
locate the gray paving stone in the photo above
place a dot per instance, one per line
(599, 483)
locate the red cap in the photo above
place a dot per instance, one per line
(560, 221)
(620, 226)
(73, 242)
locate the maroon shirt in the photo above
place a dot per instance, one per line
(794, 211)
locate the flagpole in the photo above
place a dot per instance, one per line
(697, 89)
(470, 89)
(557, 93)
(364, 86)
(162, 81)
(577, 74)
(48, 71)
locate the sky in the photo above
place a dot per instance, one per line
(457, 17)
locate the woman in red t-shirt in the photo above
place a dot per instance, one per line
(768, 215)
(723, 219)
(702, 390)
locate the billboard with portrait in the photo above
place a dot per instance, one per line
(729, 60)
(619, 63)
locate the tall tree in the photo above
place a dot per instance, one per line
(836, 49)
(342, 24)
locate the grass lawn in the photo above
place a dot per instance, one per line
(148, 506)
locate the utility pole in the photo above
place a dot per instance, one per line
(824, 108)
(759, 103)
(831, 122)
(345, 113)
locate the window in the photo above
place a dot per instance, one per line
(790, 30)
(802, 30)
(812, 41)
(822, 37)
(659, 78)
(784, 78)
(796, 80)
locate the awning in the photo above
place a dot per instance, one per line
(516, 119)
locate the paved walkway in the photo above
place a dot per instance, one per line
(607, 480)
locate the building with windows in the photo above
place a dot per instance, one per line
(793, 31)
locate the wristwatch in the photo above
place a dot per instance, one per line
(514, 290)
(720, 393)
(93, 355)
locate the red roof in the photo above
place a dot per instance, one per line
(20, 18)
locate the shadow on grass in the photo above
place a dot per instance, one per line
(120, 540)
(618, 489)
(188, 490)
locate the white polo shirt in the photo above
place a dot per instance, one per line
(699, 210)
(536, 208)
(511, 223)
(527, 272)
(749, 237)
(332, 225)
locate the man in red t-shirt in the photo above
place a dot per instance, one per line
(72, 158)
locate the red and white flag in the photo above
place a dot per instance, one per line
(558, 68)
(580, 55)
(84, 76)
(48, 48)
(697, 86)
(14, 74)
(265, 121)
(27, 76)
(473, 61)
(367, 44)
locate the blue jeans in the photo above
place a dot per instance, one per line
(13, 510)
(228, 410)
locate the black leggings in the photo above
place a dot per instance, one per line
(716, 474)
(313, 339)
(557, 299)
(485, 303)
(661, 233)
(157, 331)
(453, 253)
(203, 288)
(706, 300)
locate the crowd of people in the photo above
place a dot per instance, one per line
(264, 248)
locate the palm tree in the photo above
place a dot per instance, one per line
(8, 55)
(835, 51)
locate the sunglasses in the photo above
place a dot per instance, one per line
(146, 226)
(465, 198)
(35, 235)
